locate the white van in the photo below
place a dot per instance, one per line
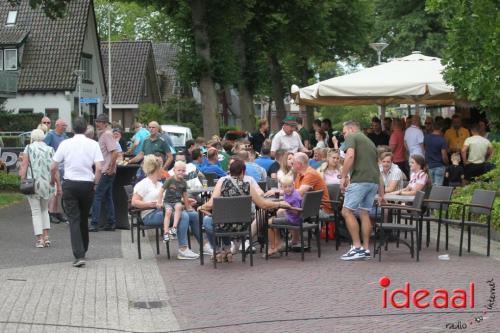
(178, 134)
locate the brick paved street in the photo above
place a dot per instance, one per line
(41, 292)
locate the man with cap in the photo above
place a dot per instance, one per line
(104, 188)
(288, 139)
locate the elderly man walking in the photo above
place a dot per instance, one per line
(365, 180)
(54, 139)
(78, 154)
(104, 189)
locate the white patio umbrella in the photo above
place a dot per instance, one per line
(414, 79)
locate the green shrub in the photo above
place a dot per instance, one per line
(23, 122)
(11, 141)
(488, 181)
(9, 182)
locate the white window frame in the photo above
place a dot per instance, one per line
(86, 65)
(11, 17)
(5, 59)
(1, 60)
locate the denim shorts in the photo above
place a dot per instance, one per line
(360, 196)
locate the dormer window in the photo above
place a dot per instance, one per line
(11, 17)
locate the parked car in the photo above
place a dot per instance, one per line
(178, 134)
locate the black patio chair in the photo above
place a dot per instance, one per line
(412, 213)
(263, 185)
(309, 222)
(211, 178)
(135, 215)
(435, 205)
(481, 205)
(232, 210)
(335, 216)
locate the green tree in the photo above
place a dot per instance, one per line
(472, 54)
(340, 114)
(407, 27)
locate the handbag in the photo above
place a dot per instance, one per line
(28, 185)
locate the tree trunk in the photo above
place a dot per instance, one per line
(245, 96)
(277, 87)
(207, 86)
(306, 74)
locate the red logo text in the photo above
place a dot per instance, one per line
(422, 298)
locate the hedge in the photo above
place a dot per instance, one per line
(9, 182)
(488, 181)
(19, 122)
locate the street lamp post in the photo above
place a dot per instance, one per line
(379, 47)
(79, 73)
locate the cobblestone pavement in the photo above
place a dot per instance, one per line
(53, 296)
(327, 294)
(41, 292)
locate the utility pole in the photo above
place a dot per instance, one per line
(110, 106)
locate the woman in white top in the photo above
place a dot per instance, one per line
(331, 170)
(419, 176)
(146, 193)
(36, 165)
(320, 136)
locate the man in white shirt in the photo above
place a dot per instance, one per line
(78, 154)
(475, 153)
(287, 139)
(414, 137)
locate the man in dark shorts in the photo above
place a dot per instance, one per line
(365, 180)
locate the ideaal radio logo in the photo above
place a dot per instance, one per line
(422, 298)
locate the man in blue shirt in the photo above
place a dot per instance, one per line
(436, 154)
(251, 168)
(141, 134)
(212, 165)
(265, 160)
(54, 139)
(58, 135)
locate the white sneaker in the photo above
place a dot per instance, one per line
(207, 249)
(247, 246)
(187, 254)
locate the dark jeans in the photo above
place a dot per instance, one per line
(104, 193)
(78, 197)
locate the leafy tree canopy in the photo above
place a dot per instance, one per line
(472, 54)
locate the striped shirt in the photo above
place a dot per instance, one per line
(394, 173)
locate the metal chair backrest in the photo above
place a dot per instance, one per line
(485, 198)
(263, 185)
(419, 200)
(210, 178)
(439, 193)
(334, 191)
(311, 204)
(129, 190)
(272, 183)
(232, 209)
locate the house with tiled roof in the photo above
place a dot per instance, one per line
(51, 66)
(133, 78)
(165, 57)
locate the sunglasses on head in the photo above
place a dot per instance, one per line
(46, 122)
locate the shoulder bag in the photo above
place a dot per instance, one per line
(28, 185)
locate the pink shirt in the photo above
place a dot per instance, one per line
(396, 142)
(107, 144)
(331, 176)
(417, 178)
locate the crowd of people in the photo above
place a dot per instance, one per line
(393, 156)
